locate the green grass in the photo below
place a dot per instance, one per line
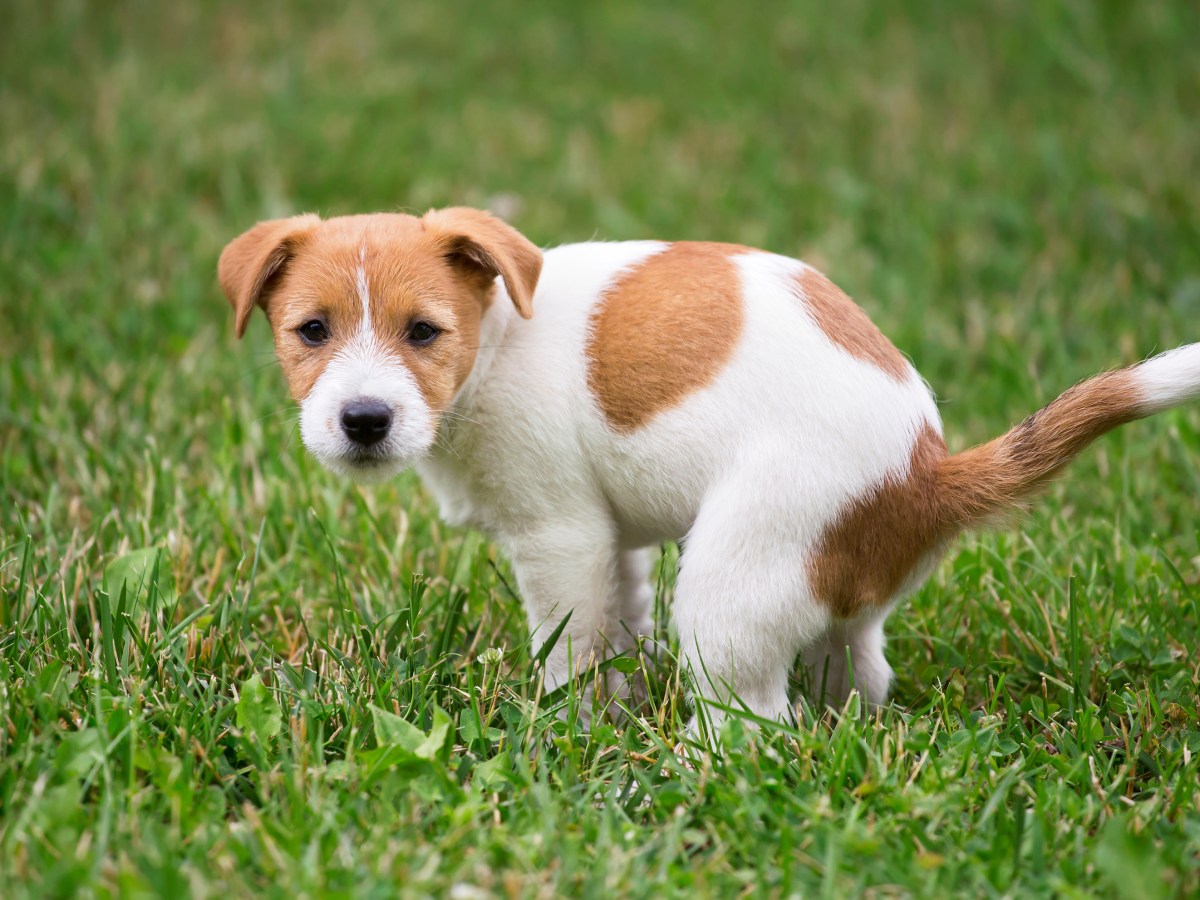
(294, 703)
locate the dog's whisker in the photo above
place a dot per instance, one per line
(287, 441)
(249, 373)
(446, 448)
(276, 412)
(460, 417)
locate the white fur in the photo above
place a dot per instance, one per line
(364, 369)
(1170, 378)
(362, 287)
(748, 470)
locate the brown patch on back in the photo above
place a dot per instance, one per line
(844, 323)
(864, 557)
(664, 330)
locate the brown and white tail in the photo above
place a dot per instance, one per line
(982, 484)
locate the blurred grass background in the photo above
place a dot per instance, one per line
(1009, 189)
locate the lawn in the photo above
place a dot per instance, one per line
(224, 672)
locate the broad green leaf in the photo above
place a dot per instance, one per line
(433, 744)
(80, 751)
(493, 774)
(134, 570)
(257, 712)
(393, 731)
(624, 664)
(470, 731)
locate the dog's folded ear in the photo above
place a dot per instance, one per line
(482, 246)
(252, 263)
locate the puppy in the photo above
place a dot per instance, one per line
(586, 403)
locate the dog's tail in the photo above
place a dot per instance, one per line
(979, 485)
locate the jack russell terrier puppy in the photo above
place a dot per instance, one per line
(586, 403)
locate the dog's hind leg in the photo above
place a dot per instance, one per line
(633, 617)
(832, 675)
(631, 623)
(744, 607)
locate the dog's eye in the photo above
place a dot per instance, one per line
(423, 334)
(313, 332)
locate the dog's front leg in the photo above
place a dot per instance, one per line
(563, 568)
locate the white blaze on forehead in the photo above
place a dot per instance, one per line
(366, 368)
(360, 282)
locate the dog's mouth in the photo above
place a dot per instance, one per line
(364, 470)
(367, 466)
(363, 464)
(368, 459)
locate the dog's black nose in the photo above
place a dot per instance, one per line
(366, 422)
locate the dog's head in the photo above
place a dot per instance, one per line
(376, 320)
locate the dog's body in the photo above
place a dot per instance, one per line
(727, 416)
(645, 392)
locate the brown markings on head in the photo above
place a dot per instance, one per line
(865, 555)
(663, 330)
(479, 246)
(439, 269)
(252, 263)
(844, 323)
